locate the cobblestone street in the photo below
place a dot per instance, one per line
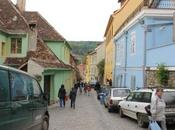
(88, 115)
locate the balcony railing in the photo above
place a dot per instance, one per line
(167, 4)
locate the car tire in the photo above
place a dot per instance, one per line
(110, 110)
(45, 123)
(140, 121)
(121, 113)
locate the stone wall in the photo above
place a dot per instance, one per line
(151, 79)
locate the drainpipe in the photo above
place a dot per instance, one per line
(144, 56)
(126, 38)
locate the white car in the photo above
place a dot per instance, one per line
(114, 96)
(134, 105)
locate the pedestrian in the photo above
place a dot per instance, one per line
(158, 108)
(62, 95)
(97, 87)
(72, 97)
(89, 89)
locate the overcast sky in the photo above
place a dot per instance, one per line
(76, 19)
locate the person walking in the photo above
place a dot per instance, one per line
(62, 95)
(72, 97)
(158, 109)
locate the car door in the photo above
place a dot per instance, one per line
(21, 105)
(5, 109)
(136, 104)
(39, 105)
(126, 105)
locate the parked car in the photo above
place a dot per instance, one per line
(114, 96)
(23, 106)
(134, 105)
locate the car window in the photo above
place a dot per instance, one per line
(120, 92)
(137, 96)
(4, 85)
(130, 97)
(147, 97)
(36, 89)
(169, 98)
(18, 86)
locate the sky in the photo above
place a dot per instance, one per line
(76, 20)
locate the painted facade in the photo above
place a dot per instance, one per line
(140, 43)
(93, 67)
(109, 50)
(87, 79)
(28, 42)
(100, 57)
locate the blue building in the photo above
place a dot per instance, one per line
(144, 42)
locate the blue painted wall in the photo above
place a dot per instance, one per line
(159, 49)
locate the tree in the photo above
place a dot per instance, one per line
(100, 67)
(162, 74)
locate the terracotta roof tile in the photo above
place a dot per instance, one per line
(45, 30)
(10, 17)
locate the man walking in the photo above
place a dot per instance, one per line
(61, 95)
(72, 97)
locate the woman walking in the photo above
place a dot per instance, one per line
(158, 109)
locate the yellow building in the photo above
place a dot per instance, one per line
(87, 77)
(116, 21)
(109, 50)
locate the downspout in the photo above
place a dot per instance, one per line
(126, 38)
(144, 56)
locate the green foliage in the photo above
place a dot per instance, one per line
(100, 67)
(162, 74)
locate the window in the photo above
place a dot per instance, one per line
(16, 45)
(133, 43)
(3, 49)
(36, 89)
(19, 86)
(4, 86)
(130, 97)
(138, 96)
(147, 97)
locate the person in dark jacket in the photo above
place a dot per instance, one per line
(72, 97)
(62, 95)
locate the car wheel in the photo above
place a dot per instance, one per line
(45, 123)
(121, 113)
(140, 121)
(110, 109)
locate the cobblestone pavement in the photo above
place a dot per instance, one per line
(88, 115)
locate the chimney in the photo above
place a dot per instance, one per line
(32, 36)
(21, 5)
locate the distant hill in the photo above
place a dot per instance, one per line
(81, 48)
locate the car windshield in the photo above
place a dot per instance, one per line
(169, 98)
(120, 92)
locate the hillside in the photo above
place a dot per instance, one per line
(81, 48)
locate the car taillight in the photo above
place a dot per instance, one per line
(111, 102)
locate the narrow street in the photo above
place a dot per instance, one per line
(88, 115)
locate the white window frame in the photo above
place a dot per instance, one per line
(133, 43)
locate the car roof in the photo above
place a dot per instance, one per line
(151, 90)
(118, 88)
(14, 69)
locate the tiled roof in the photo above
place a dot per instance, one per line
(45, 30)
(43, 56)
(10, 18)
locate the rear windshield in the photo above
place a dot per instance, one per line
(169, 98)
(120, 92)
